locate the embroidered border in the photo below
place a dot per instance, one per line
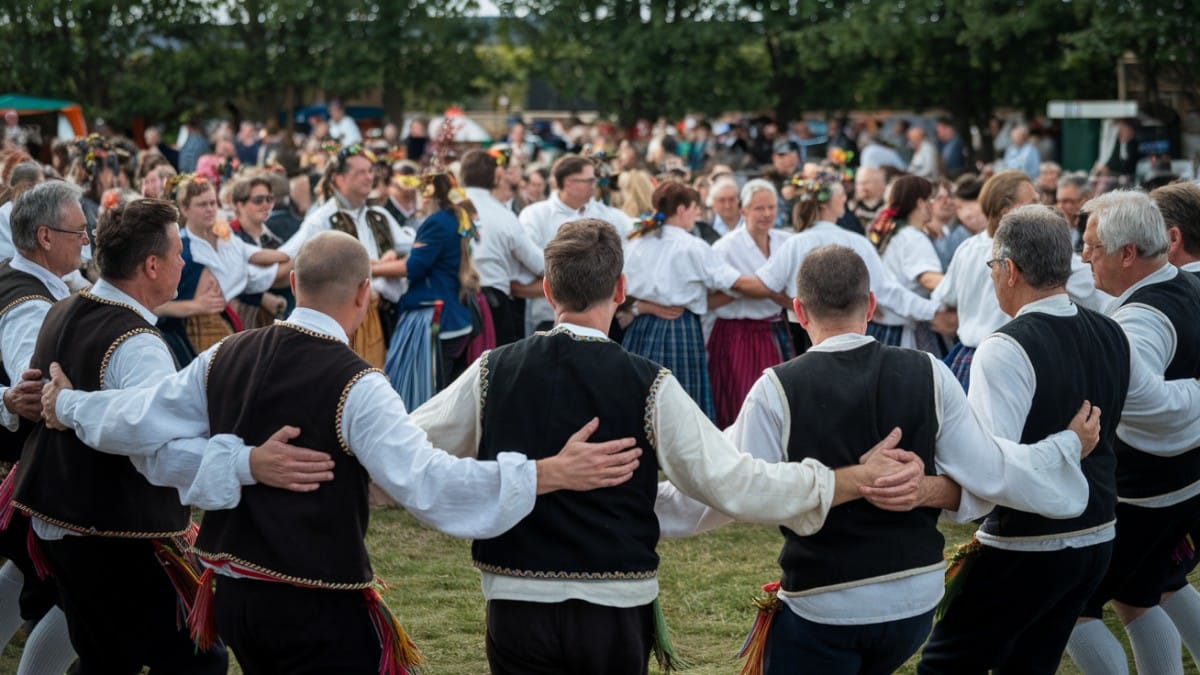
(559, 330)
(650, 398)
(117, 343)
(583, 576)
(341, 406)
(278, 576)
(106, 301)
(484, 372)
(212, 358)
(306, 331)
(91, 531)
(24, 299)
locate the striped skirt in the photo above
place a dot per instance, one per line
(739, 350)
(959, 359)
(412, 361)
(888, 335)
(677, 345)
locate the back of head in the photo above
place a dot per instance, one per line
(636, 188)
(1179, 204)
(905, 192)
(1129, 217)
(833, 284)
(1038, 241)
(129, 233)
(42, 204)
(478, 170)
(999, 194)
(583, 263)
(967, 187)
(671, 195)
(25, 174)
(330, 268)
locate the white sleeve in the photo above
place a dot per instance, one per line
(19, 330)
(718, 275)
(459, 496)
(1161, 417)
(442, 417)
(946, 292)
(779, 272)
(260, 278)
(525, 252)
(918, 256)
(312, 224)
(892, 296)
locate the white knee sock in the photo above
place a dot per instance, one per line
(48, 650)
(1184, 609)
(1096, 650)
(1157, 649)
(11, 581)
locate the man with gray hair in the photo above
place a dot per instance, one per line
(1029, 580)
(723, 200)
(1158, 467)
(24, 176)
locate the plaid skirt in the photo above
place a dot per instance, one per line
(677, 345)
(959, 359)
(206, 330)
(739, 350)
(888, 335)
(410, 364)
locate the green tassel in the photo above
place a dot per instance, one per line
(664, 651)
(956, 574)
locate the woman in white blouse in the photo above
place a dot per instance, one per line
(749, 335)
(898, 233)
(667, 265)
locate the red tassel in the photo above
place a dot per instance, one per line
(399, 654)
(754, 648)
(201, 621)
(7, 489)
(35, 555)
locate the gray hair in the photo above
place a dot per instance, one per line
(721, 184)
(1038, 241)
(1129, 217)
(42, 204)
(25, 172)
(755, 186)
(1077, 178)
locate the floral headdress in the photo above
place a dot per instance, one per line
(839, 158)
(603, 170)
(502, 154)
(174, 183)
(93, 150)
(340, 154)
(818, 188)
(444, 150)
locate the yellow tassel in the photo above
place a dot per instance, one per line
(754, 648)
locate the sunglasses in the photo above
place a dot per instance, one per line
(259, 200)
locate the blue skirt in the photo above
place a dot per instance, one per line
(959, 359)
(888, 335)
(677, 345)
(411, 360)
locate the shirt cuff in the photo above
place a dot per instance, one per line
(64, 407)
(241, 459)
(8, 419)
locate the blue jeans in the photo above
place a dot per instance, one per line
(797, 645)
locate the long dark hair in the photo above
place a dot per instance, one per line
(906, 191)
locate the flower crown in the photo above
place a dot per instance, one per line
(93, 149)
(600, 160)
(174, 183)
(502, 154)
(340, 154)
(818, 188)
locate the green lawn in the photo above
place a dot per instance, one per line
(707, 584)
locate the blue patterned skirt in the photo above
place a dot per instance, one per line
(677, 345)
(959, 359)
(411, 360)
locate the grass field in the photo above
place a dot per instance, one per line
(707, 583)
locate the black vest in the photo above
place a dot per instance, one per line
(1075, 358)
(842, 403)
(535, 393)
(1140, 474)
(61, 480)
(259, 381)
(16, 288)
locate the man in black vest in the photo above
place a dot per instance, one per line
(295, 591)
(1158, 469)
(1030, 580)
(582, 567)
(102, 520)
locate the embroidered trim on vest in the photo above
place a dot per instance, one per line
(585, 576)
(91, 531)
(306, 331)
(106, 301)
(341, 406)
(483, 383)
(650, 398)
(286, 578)
(559, 330)
(343, 223)
(117, 343)
(212, 358)
(24, 299)
(378, 223)
(902, 574)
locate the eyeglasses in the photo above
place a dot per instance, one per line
(78, 233)
(996, 261)
(259, 200)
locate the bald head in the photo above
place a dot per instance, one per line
(329, 269)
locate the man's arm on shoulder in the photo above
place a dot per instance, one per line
(1162, 416)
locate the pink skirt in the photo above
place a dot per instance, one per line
(739, 350)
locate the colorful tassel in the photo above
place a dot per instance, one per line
(400, 655)
(1186, 550)
(7, 489)
(664, 650)
(754, 648)
(201, 620)
(956, 573)
(35, 555)
(183, 577)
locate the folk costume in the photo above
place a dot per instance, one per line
(906, 254)
(1027, 584)
(298, 596)
(583, 564)
(119, 564)
(505, 254)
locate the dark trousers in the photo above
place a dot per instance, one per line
(1143, 564)
(508, 316)
(1015, 612)
(796, 645)
(568, 638)
(37, 595)
(278, 628)
(122, 611)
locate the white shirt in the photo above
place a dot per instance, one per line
(908, 255)
(7, 249)
(541, 221)
(722, 228)
(390, 288)
(345, 131)
(924, 161)
(144, 360)
(505, 252)
(875, 155)
(967, 287)
(691, 452)
(1044, 475)
(461, 497)
(739, 250)
(779, 273)
(1193, 266)
(676, 269)
(1161, 417)
(230, 264)
(19, 328)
